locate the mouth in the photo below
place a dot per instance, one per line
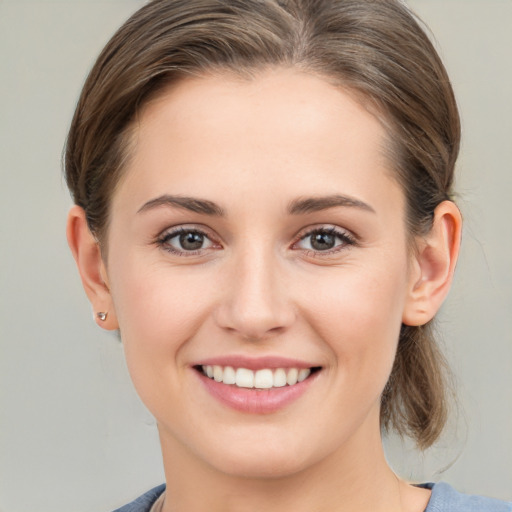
(260, 379)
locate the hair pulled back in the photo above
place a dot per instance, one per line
(374, 48)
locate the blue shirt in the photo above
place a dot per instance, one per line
(444, 499)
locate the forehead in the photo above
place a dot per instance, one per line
(295, 129)
(284, 100)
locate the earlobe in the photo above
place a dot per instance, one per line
(433, 265)
(87, 254)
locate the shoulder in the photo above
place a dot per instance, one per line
(143, 503)
(446, 499)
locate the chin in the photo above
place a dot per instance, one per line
(264, 459)
(275, 467)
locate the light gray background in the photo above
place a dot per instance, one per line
(73, 435)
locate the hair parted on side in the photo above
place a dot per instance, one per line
(373, 48)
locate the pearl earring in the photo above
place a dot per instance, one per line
(102, 316)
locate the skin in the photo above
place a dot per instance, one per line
(257, 287)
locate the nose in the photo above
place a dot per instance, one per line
(256, 303)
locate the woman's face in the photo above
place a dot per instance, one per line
(259, 227)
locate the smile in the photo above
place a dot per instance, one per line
(268, 385)
(265, 378)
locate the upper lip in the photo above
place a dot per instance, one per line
(255, 363)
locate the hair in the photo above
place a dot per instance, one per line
(375, 49)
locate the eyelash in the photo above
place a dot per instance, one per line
(345, 237)
(163, 240)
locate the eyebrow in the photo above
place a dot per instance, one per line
(315, 204)
(296, 207)
(186, 203)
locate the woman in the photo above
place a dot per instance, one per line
(263, 210)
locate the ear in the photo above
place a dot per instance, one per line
(91, 267)
(433, 265)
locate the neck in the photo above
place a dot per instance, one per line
(356, 477)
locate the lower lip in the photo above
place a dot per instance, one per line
(256, 401)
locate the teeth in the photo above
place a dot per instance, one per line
(291, 376)
(303, 374)
(261, 379)
(218, 374)
(279, 378)
(229, 375)
(244, 378)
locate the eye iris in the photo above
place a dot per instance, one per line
(322, 241)
(191, 241)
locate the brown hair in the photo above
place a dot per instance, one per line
(374, 48)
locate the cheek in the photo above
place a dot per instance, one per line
(154, 300)
(359, 315)
(159, 309)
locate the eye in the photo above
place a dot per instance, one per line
(325, 240)
(185, 241)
